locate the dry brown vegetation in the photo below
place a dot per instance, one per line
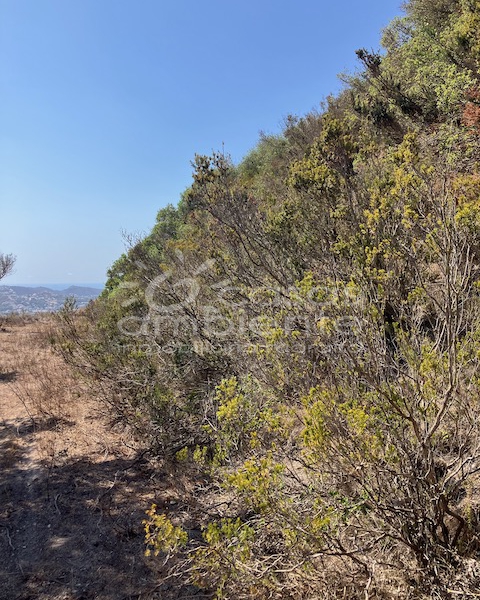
(73, 487)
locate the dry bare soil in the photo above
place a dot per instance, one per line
(73, 487)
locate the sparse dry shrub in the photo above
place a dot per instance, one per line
(136, 379)
(43, 382)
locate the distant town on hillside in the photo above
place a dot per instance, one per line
(15, 298)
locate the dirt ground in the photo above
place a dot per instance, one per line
(73, 488)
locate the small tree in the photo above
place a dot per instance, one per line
(7, 261)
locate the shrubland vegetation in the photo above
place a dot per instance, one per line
(303, 330)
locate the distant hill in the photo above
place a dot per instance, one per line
(16, 298)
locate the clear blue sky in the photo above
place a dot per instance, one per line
(103, 104)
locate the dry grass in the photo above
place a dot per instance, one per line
(39, 379)
(73, 487)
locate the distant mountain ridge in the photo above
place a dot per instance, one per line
(16, 298)
(57, 287)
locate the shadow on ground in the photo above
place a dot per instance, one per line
(74, 531)
(8, 377)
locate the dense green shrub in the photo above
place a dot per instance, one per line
(304, 330)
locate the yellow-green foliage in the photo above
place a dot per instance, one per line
(467, 195)
(231, 401)
(160, 534)
(335, 426)
(328, 161)
(231, 531)
(245, 419)
(225, 555)
(257, 482)
(316, 434)
(334, 419)
(182, 455)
